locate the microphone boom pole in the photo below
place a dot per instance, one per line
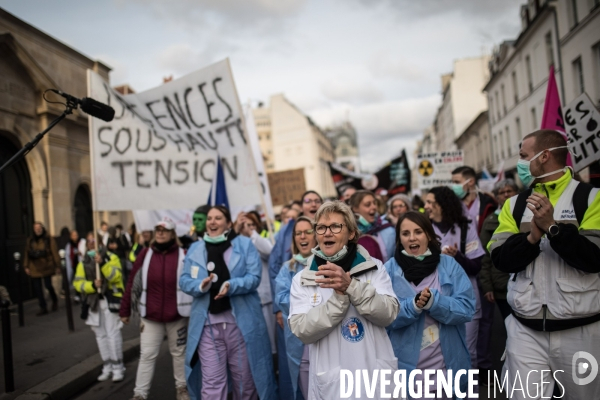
(88, 105)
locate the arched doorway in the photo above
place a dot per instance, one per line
(84, 219)
(16, 217)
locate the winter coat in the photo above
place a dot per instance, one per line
(41, 256)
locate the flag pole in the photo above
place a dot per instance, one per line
(93, 190)
(262, 197)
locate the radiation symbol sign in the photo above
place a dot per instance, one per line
(425, 168)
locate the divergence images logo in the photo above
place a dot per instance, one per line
(583, 362)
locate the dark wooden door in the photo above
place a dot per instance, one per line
(16, 218)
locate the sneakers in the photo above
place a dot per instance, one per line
(105, 375)
(118, 373)
(182, 393)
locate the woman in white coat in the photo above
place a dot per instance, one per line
(340, 305)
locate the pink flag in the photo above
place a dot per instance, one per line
(553, 116)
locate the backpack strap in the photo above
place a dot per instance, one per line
(581, 200)
(464, 228)
(520, 205)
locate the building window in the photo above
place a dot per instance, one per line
(497, 150)
(501, 134)
(503, 98)
(573, 19)
(498, 106)
(515, 87)
(534, 123)
(491, 109)
(508, 146)
(549, 50)
(529, 73)
(578, 76)
(519, 132)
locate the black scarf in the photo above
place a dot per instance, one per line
(214, 254)
(414, 270)
(162, 247)
(346, 262)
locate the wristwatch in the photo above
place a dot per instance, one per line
(552, 231)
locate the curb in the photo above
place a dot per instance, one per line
(77, 378)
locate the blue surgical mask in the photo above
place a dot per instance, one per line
(524, 171)
(216, 239)
(91, 253)
(338, 256)
(498, 211)
(459, 189)
(421, 257)
(302, 260)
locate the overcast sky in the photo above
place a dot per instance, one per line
(376, 62)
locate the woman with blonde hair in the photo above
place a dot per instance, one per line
(340, 304)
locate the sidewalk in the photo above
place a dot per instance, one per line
(49, 362)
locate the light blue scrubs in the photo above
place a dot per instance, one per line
(293, 345)
(453, 306)
(245, 269)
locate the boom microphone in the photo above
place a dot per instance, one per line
(90, 106)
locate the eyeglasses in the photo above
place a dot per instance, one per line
(306, 232)
(334, 228)
(399, 206)
(313, 201)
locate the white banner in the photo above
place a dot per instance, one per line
(258, 162)
(160, 150)
(435, 169)
(582, 123)
(146, 220)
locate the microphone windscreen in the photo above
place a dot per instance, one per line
(97, 109)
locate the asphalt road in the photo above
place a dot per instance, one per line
(163, 383)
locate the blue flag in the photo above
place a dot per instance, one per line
(218, 191)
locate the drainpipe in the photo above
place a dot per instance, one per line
(558, 51)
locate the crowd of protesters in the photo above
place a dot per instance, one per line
(363, 282)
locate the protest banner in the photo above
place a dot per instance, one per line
(395, 176)
(582, 122)
(435, 169)
(552, 118)
(286, 186)
(344, 178)
(160, 151)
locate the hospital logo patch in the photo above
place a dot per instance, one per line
(353, 330)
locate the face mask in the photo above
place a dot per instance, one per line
(338, 256)
(300, 259)
(421, 257)
(524, 171)
(200, 222)
(91, 253)
(216, 239)
(459, 189)
(363, 224)
(498, 211)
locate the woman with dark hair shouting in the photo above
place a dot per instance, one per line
(436, 300)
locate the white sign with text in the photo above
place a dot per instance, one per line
(582, 123)
(160, 151)
(435, 169)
